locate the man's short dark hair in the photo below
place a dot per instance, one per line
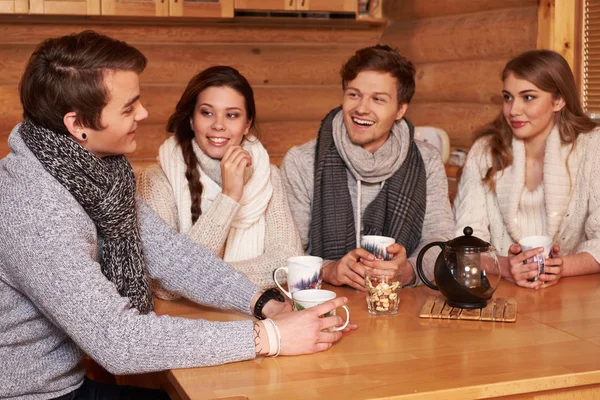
(66, 74)
(382, 58)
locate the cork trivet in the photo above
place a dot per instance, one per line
(426, 310)
(510, 310)
(471, 314)
(437, 308)
(446, 311)
(498, 309)
(455, 313)
(487, 314)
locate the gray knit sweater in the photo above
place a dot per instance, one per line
(55, 303)
(297, 170)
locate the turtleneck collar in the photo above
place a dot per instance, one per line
(210, 166)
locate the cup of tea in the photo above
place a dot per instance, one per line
(377, 245)
(303, 272)
(532, 242)
(307, 298)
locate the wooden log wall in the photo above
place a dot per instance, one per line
(293, 68)
(459, 48)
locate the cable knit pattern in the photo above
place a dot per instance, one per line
(297, 169)
(532, 212)
(55, 303)
(571, 201)
(557, 184)
(213, 226)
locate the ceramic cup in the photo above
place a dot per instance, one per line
(377, 245)
(532, 242)
(303, 272)
(313, 297)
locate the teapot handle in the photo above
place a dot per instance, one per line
(420, 271)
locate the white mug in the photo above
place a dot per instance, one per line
(532, 242)
(303, 272)
(377, 245)
(313, 297)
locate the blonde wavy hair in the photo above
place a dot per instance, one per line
(551, 73)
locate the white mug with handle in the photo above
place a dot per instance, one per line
(313, 297)
(303, 272)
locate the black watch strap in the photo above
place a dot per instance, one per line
(270, 294)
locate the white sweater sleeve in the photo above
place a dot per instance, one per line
(470, 208)
(591, 244)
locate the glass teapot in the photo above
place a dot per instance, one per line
(466, 272)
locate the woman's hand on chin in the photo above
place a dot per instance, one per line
(233, 165)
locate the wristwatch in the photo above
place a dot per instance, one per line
(271, 294)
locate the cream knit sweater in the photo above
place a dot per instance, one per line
(532, 212)
(281, 237)
(572, 198)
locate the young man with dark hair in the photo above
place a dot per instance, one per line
(366, 175)
(78, 248)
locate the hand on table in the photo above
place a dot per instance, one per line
(553, 268)
(348, 270)
(305, 332)
(520, 272)
(274, 307)
(399, 262)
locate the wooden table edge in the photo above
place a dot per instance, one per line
(567, 379)
(174, 389)
(482, 391)
(509, 388)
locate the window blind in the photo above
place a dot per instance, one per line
(591, 58)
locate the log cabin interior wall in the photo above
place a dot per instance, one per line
(459, 48)
(293, 68)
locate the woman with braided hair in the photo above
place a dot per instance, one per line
(214, 181)
(78, 248)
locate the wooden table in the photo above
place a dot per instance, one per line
(554, 348)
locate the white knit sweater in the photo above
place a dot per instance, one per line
(572, 198)
(281, 237)
(532, 212)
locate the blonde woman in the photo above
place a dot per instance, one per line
(533, 171)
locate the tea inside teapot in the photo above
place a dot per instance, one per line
(471, 271)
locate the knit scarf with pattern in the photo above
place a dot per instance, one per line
(105, 188)
(398, 210)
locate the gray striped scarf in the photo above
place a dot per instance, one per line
(398, 210)
(105, 188)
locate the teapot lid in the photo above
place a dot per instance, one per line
(468, 242)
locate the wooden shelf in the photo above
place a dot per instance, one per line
(183, 21)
